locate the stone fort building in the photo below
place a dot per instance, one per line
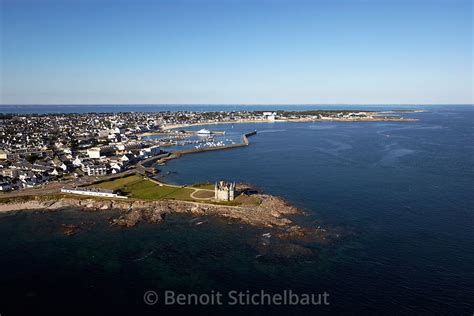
(224, 191)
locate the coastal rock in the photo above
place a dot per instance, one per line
(128, 219)
(69, 229)
(282, 251)
(269, 213)
(275, 213)
(154, 215)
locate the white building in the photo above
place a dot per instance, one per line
(97, 152)
(94, 153)
(93, 192)
(270, 116)
(54, 172)
(95, 170)
(77, 162)
(3, 154)
(224, 191)
(11, 173)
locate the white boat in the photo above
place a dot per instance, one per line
(203, 132)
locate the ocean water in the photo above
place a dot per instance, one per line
(111, 108)
(400, 193)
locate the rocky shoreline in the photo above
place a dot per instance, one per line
(272, 212)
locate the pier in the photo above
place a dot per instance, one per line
(145, 167)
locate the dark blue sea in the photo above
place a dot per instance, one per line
(112, 108)
(399, 193)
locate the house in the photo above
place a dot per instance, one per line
(4, 155)
(40, 168)
(54, 172)
(93, 192)
(156, 150)
(127, 158)
(77, 162)
(93, 153)
(21, 165)
(115, 167)
(270, 116)
(95, 170)
(5, 186)
(11, 173)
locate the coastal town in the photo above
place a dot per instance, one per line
(39, 149)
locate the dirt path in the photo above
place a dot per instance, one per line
(192, 195)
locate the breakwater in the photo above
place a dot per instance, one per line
(147, 165)
(245, 139)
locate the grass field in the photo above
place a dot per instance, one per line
(139, 188)
(118, 183)
(208, 186)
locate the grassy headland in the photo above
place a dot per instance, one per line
(137, 187)
(140, 188)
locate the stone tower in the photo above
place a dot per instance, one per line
(224, 191)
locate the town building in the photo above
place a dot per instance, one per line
(93, 192)
(11, 173)
(95, 170)
(270, 116)
(4, 155)
(5, 186)
(93, 153)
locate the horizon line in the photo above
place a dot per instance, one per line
(230, 104)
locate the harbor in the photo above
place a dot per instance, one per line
(149, 166)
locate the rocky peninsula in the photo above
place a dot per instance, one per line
(271, 212)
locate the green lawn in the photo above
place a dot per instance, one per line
(208, 186)
(118, 183)
(147, 190)
(137, 187)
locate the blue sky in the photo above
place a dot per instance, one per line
(251, 52)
